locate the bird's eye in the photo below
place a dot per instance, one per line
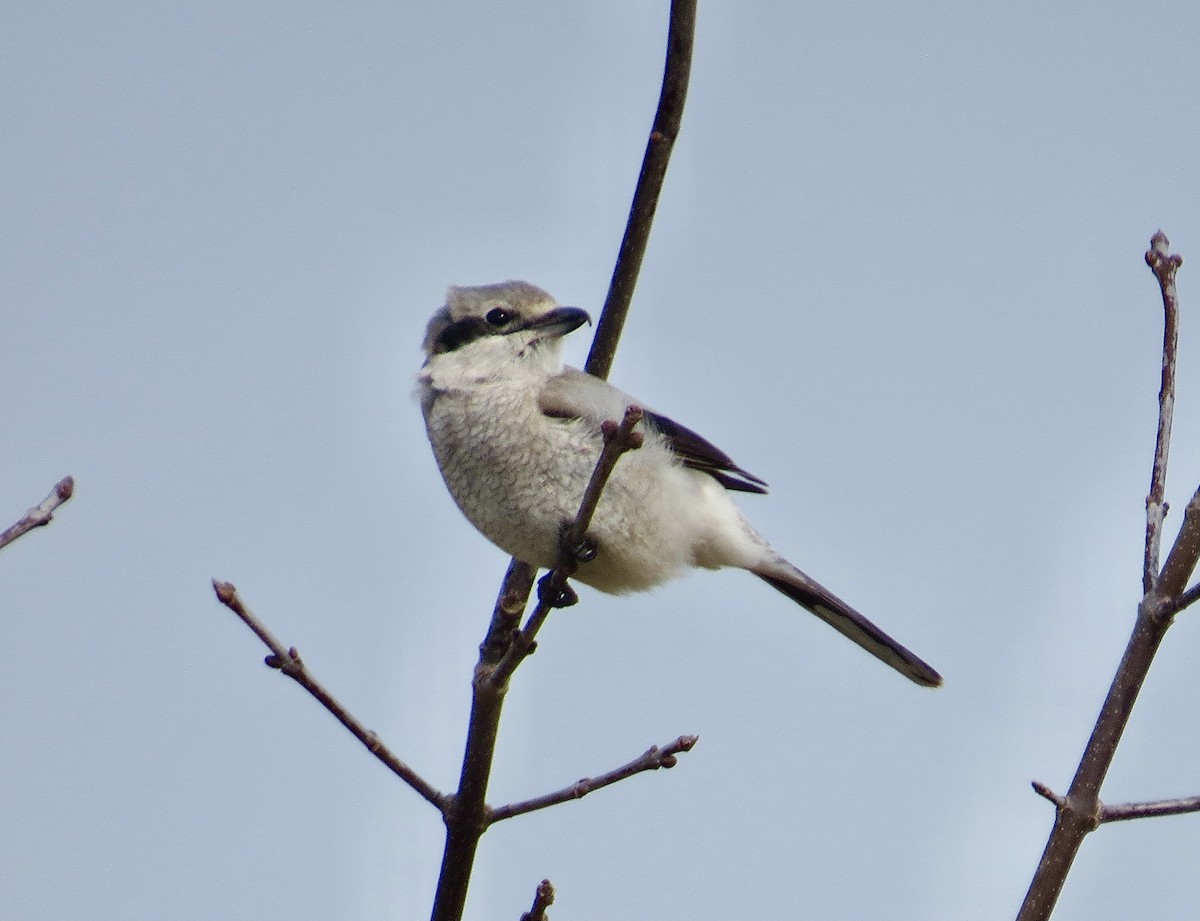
(498, 316)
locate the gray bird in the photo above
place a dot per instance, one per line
(517, 435)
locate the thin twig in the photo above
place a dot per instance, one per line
(542, 899)
(1125, 811)
(667, 121)
(288, 661)
(1044, 791)
(1164, 265)
(42, 514)
(617, 440)
(651, 760)
(1081, 812)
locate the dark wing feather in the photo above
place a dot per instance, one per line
(701, 454)
(572, 394)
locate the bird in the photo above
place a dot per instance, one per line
(516, 435)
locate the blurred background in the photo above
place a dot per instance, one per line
(896, 272)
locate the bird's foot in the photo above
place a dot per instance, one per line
(582, 551)
(554, 597)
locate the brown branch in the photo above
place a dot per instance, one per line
(506, 615)
(1081, 812)
(651, 760)
(1125, 811)
(1181, 561)
(464, 819)
(542, 899)
(1042, 790)
(1186, 600)
(667, 121)
(467, 814)
(40, 515)
(288, 661)
(1164, 267)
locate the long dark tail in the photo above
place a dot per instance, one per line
(816, 598)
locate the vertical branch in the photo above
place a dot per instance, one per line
(466, 814)
(1080, 812)
(1164, 267)
(667, 121)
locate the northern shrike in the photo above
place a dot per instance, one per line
(517, 435)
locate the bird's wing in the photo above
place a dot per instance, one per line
(574, 394)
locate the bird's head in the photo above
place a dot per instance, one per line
(510, 321)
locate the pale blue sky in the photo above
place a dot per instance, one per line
(896, 272)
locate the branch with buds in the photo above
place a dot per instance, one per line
(1081, 811)
(466, 813)
(507, 643)
(41, 514)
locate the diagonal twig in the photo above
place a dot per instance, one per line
(617, 440)
(1044, 791)
(41, 514)
(288, 661)
(651, 760)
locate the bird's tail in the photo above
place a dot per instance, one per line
(847, 621)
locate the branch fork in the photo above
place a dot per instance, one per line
(1122, 812)
(506, 643)
(1165, 593)
(505, 646)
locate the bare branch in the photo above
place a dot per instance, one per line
(667, 121)
(288, 661)
(467, 811)
(542, 899)
(464, 819)
(553, 590)
(653, 759)
(42, 514)
(1164, 267)
(506, 615)
(1042, 790)
(1081, 812)
(1125, 811)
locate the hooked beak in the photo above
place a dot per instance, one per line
(559, 321)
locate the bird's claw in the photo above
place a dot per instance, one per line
(582, 551)
(550, 595)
